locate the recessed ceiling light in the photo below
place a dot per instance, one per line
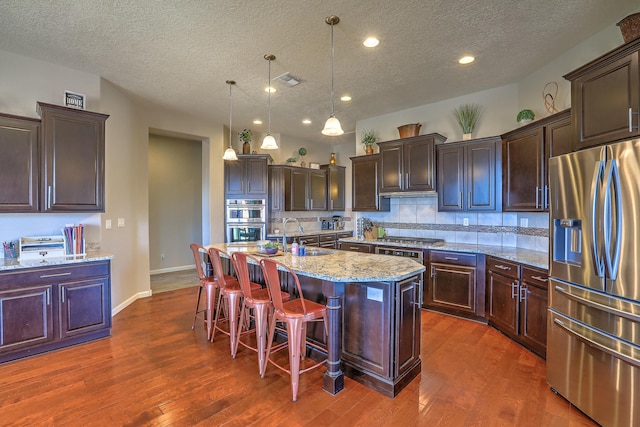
(306, 121)
(466, 60)
(345, 98)
(371, 42)
(270, 89)
(257, 122)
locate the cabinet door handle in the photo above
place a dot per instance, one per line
(469, 200)
(49, 296)
(514, 290)
(546, 197)
(406, 181)
(54, 275)
(460, 201)
(542, 279)
(49, 197)
(523, 293)
(451, 258)
(537, 196)
(433, 271)
(502, 267)
(62, 291)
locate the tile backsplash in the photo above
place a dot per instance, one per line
(419, 217)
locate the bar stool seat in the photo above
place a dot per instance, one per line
(256, 306)
(295, 314)
(209, 284)
(229, 297)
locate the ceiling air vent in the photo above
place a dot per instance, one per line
(288, 80)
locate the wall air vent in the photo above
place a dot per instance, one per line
(288, 80)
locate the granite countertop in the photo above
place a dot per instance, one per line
(307, 233)
(524, 256)
(342, 266)
(15, 264)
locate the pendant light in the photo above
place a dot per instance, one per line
(230, 153)
(269, 142)
(332, 126)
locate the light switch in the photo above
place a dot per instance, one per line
(524, 222)
(465, 222)
(107, 224)
(120, 222)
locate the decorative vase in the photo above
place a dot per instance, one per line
(332, 160)
(368, 149)
(466, 136)
(525, 122)
(630, 27)
(246, 148)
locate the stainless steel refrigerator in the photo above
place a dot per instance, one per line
(593, 342)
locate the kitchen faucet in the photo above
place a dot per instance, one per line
(284, 231)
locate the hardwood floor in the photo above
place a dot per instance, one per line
(156, 371)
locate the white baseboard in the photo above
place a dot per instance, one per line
(172, 269)
(130, 301)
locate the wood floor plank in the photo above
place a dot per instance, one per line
(156, 371)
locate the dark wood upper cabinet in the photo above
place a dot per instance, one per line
(525, 154)
(408, 164)
(335, 187)
(19, 163)
(605, 97)
(467, 175)
(72, 159)
(247, 176)
(297, 189)
(365, 185)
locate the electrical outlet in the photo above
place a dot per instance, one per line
(120, 222)
(161, 257)
(107, 224)
(524, 222)
(465, 222)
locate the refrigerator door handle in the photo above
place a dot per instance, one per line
(594, 344)
(598, 261)
(594, 304)
(612, 186)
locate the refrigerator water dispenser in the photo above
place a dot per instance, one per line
(567, 241)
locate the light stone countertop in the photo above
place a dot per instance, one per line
(15, 264)
(342, 266)
(524, 256)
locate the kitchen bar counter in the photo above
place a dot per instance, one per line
(373, 304)
(15, 264)
(524, 256)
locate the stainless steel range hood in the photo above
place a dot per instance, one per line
(407, 194)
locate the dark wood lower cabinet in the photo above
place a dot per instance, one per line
(47, 308)
(455, 284)
(517, 302)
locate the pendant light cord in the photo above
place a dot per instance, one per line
(332, 53)
(269, 98)
(230, 113)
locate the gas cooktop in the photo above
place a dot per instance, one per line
(411, 240)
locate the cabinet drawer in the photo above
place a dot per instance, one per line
(506, 268)
(356, 247)
(535, 276)
(308, 240)
(457, 258)
(57, 274)
(344, 235)
(331, 237)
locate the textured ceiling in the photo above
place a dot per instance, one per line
(178, 54)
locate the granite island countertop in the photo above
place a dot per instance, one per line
(341, 266)
(524, 256)
(15, 264)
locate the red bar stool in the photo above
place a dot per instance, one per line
(295, 314)
(256, 301)
(209, 284)
(228, 297)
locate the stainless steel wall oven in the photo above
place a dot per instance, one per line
(245, 220)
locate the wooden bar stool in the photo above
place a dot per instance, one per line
(295, 314)
(228, 297)
(209, 284)
(254, 300)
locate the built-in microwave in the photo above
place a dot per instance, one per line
(246, 233)
(246, 210)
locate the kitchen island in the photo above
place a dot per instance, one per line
(374, 314)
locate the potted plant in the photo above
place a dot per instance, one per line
(467, 116)
(291, 161)
(303, 152)
(271, 248)
(525, 116)
(245, 137)
(368, 139)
